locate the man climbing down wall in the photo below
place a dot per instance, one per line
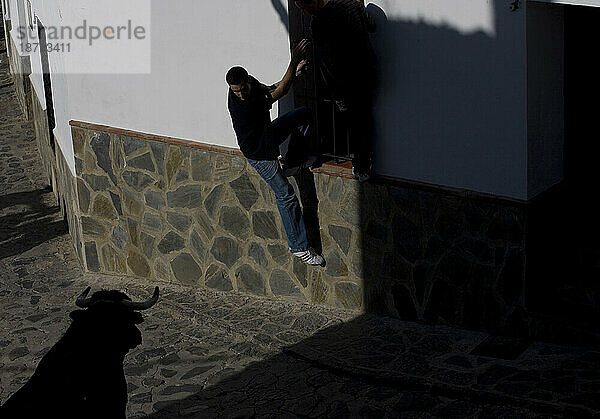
(249, 102)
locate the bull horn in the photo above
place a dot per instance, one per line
(82, 301)
(143, 305)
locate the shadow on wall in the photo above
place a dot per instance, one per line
(450, 107)
(285, 104)
(28, 219)
(305, 180)
(307, 193)
(450, 110)
(282, 12)
(461, 261)
(429, 255)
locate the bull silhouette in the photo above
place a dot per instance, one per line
(82, 374)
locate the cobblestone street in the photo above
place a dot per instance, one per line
(210, 354)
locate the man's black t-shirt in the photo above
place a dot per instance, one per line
(250, 118)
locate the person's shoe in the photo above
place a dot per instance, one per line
(292, 168)
(310, 160)
(319, 160)
(310, 257)
(360, 176)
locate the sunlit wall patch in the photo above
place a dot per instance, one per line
(464, 16)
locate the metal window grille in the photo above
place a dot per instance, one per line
(330, 135)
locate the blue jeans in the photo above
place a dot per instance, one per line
(287, 202)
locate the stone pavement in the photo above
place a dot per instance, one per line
(209, 354)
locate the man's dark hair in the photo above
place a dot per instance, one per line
(305, 1)
(236, 75)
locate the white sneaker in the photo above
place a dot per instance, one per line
(310, 257)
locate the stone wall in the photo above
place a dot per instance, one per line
(169, 210)
(65, 187)
(420, 253)
(20, 68)
(173, 213)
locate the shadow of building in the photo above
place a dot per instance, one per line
(28, 219)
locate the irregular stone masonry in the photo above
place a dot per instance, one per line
(177, 211)
(149, 209)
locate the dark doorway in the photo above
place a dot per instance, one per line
(563, 246)
(582, 148)
(47, 82)
(582, 89)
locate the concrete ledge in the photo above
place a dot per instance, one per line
(157, 138)
(343, 170)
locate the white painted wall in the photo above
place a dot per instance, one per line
(184, 95)
(50, 15)
(452, 98)
(14, 17)
(36, 66)
(194, 43)
(451, 102)
(49, 12)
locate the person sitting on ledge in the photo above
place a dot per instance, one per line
(346, 60)
(259, 138)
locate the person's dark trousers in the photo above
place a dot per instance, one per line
(287, 203)
(288, 123)
(359, 120)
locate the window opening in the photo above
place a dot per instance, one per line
(47, 82)
(330, 135)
